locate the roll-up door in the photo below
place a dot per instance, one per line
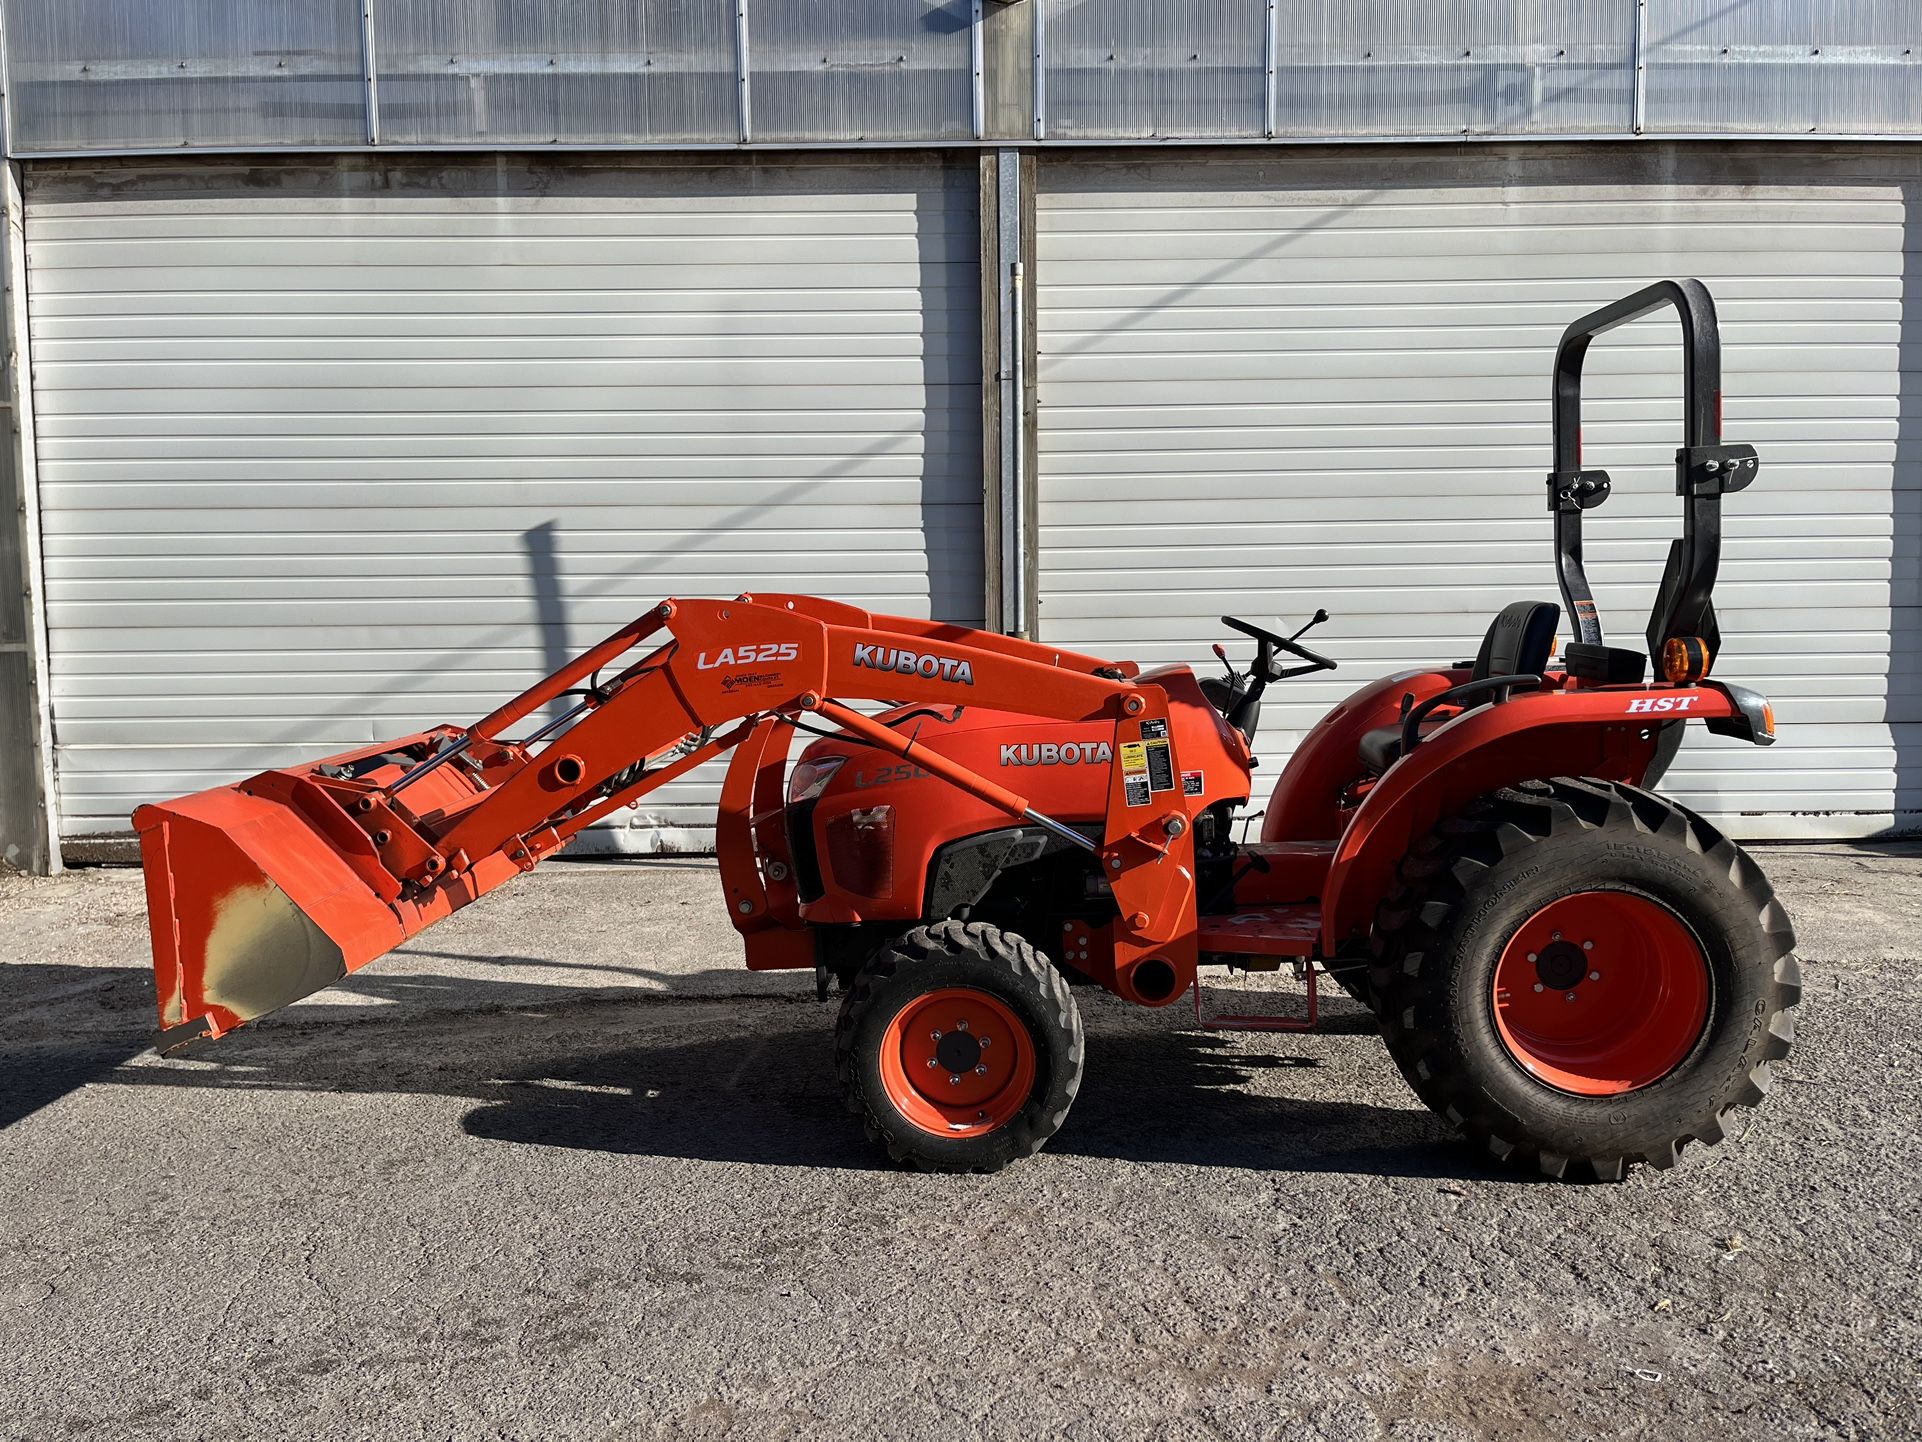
(1271, 385)
(332, 451)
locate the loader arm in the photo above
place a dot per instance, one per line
(265, 891)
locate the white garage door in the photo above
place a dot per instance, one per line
(1273, 385)
(332, 452)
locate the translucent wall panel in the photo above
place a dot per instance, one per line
(126, 74)
(582, 70)
(1137, 69)
(1785, 67)
(1441, 67)
(852, 70)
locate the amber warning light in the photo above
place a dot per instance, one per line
(1685, 658)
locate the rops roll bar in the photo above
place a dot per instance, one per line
(1705, 469)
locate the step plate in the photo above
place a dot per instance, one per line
(1264, 931)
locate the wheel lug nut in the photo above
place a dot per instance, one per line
(986, 1042)
(1538, 986)
(1594, 976)
(1531, 956)
(1555, 936)
(935, 1035)
(954, 1081)
(1569, 997)
(961, 1025)
(932, 1063)
(1588, 946)
(980, 1071)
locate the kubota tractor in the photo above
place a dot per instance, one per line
(1568, 966)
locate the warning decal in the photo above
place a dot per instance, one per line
(1147, 765)
(1192, 783)
(1161, 765)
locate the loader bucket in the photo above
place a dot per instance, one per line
(250, 909)
(262, 893)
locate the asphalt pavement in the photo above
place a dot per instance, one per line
(563, 1169)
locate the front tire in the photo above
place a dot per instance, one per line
(1582, 971)
(960, 1047)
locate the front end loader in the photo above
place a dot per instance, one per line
(1576, 971)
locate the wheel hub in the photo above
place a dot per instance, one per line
(1601, 993)
(957, 1062)
(1561, 965)
(957, 1051)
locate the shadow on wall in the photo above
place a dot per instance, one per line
(951, 520)
(550, 615)
(1905, 635)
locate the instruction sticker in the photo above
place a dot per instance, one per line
(1161, 765)
(1134, 757)
(1134, 789)
(1193, 783)
(1154, 730)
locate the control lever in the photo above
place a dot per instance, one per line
(1306, 626)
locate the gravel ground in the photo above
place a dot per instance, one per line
(565, 1170)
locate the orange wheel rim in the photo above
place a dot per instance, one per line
(1601, 993)
(957, 1062)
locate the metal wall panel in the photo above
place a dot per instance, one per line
(1141, 69)
(332, 452)
(465, 71)
(1786, 67)
(124, 74)
(1273, 385)
(107, 75)
(1455, 67)
(861, 70)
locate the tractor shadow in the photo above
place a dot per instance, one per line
(1154, 1093)
(740, 1079)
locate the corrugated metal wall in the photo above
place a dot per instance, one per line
(331, 452)
(1272, 385)
(107, 75)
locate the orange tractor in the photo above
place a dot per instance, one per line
(1573, 969)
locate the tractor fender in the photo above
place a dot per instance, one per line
(1611, 735)
(1306, 803)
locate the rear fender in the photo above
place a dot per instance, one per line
(1611, 735)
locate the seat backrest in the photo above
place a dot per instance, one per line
(1518, 640)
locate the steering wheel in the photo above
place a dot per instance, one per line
(1270, 641)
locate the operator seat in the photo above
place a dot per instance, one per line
(1518, 643)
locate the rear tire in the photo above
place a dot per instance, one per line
(1550, 1052)
(960, 1048)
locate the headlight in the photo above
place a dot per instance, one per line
(810, 778)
